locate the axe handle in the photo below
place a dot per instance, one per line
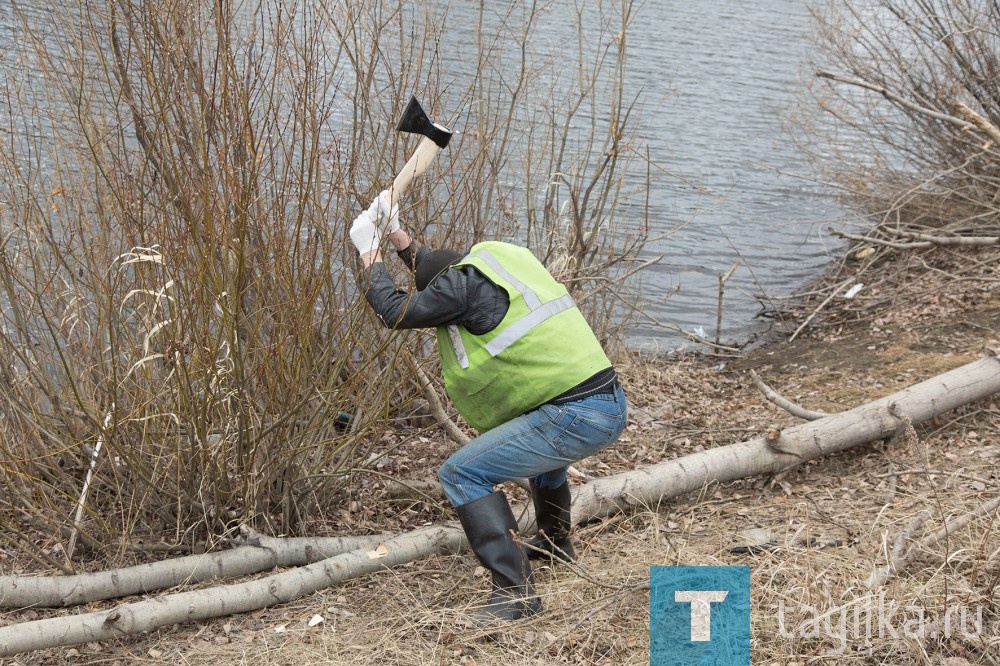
(414, 168)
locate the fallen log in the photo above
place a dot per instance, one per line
(645, 487)
(260, 553)
(147, 615)
(793, 445)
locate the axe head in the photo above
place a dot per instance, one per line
(415, 121)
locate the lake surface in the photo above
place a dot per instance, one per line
(718, 80)
(725, 76)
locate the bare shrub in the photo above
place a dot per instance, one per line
(183, 343)
(910, 95)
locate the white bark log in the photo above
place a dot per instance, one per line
(644, 487)
(796, 444)
(260, 554)
(144, 616)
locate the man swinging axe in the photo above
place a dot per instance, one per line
(521, 365)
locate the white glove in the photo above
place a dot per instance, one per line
(388, 220)
(364, 232)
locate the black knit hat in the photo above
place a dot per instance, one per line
(432, 264)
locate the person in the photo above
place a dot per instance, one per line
(523, 368)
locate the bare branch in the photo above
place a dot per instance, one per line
(900, 557)
(943, 240)
(893, 97)
(434, 402)
(784, 403)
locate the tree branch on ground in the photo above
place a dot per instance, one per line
(258, 553)
(786, 404)
(900, 558)
(920, 240)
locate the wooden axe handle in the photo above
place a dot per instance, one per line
(414, 168)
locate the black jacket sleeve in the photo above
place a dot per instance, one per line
(459, 296)
(442, 304)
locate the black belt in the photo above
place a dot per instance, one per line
(604, 382)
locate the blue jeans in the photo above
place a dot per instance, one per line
(539, 445)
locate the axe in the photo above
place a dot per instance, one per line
(415, 121)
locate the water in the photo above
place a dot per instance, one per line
(718, 79)
(723, 78)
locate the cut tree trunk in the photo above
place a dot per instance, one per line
(645, 487)
(147, 615)
(794, 445)
(260, 553)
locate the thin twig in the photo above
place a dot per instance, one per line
(723, 278)
(784, 403)
(944, 240)
(81, 503)
(878, 241)
(836, 290)
(893, 97)
(434, 402)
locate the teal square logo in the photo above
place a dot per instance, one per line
(699, 615)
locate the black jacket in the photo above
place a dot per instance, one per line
(459, 296)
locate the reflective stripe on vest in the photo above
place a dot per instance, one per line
(522, 326)
(539, 313)
(529, 296)
(456, 342)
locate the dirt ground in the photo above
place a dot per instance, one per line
(811, 535)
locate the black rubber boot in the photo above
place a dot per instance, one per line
(552, 513)
(490, 526)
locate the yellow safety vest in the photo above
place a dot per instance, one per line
(543, 346)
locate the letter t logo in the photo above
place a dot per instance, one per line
(701, 610)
